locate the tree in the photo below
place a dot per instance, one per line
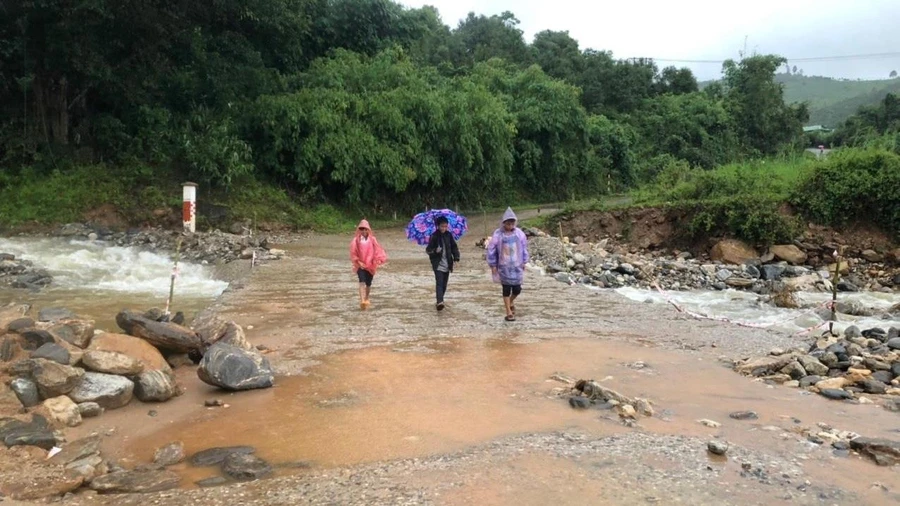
(893, 74)
(765, 124)
(558, 55)
(480, 38)
(676, 81)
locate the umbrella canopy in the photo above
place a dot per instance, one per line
(422, 225)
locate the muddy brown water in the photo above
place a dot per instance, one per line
(402, 381)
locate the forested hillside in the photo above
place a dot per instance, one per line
(360, 104)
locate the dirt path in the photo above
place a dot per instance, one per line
(405, 405)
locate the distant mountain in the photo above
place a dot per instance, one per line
(831, 101)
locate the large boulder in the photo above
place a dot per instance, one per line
(245, 467)
(111, 362)
(155, 386)
(76, 331)
(107, 390)
(34, 338)
(233, 368)
(64, 411)
(732, 251)
(35, 433)
(54, 379)
(789, 253)
(163, 335)
(26, 391)
(54, 352)
(133, 347)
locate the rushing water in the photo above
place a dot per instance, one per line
(746, 308)
(96, 280)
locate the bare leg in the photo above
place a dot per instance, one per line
(507, 303)
(362, 295)
(512, 304)
(368, 290)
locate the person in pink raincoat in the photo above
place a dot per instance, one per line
(367, 256)
(507, 254)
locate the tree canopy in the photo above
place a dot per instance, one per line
(362, 102)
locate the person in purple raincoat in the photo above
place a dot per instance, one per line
(507, 254)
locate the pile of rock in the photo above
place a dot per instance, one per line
(845, 368)
(204, 247)
(61, 363)
(19, 273)
(730, 264)
(585, 394)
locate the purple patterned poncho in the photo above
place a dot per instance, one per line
(508, 252)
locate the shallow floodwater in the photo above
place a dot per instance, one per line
(96, 280)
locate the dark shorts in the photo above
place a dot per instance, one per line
(512, 290)
(365, 276)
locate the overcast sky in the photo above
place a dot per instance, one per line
(713, 29)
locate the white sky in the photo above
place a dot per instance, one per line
(713, 29)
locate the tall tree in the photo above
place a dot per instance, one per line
(480, 38)
(558, 55)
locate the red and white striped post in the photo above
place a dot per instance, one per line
(189, 207)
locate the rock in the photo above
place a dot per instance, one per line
(709, 423)
(744, 415)
(55, 314)
(133, 347)
(90, 409)
(131, 482)
(54, 352)
(177, 360)
(873, 386)
(169, 455)
(733, 252)
(812, 366)
(833, 383)
(883, 377)
(851, 332)
(20, 324)
(562, 277)
(88, 467)
(810, 380)
(717, 447)
(884, 452)
(42, 488)
(35, 338)
(26, 391)
(872, 256)
(215, 456)
(64, 411)
(163, 335)
(9, 348)
(835, 394)
(77, 332)
(245, 467)
(579, 402)
(723, 274)
(794, 370)
(214, 481)
(111, 362)
(54, 379)
(829, 360)
(767, 364)
(643, 407)
(37, 432)
(233, 368)
(772, 272)
(894, 343)
(234, 336)
(77, 450)
(789, 253)
(846, 286)
(107, 390)
(155, 386)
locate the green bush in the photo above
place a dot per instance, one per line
(853, 185)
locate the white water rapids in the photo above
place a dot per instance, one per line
(97, 280)
(745, 308)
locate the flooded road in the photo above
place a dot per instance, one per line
(405, 405)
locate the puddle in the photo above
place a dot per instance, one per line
(381, 404)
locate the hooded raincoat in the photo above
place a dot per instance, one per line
(366, 254)
(508, 252)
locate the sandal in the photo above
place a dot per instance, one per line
(510, 318)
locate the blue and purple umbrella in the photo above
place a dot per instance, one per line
(422, 225)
